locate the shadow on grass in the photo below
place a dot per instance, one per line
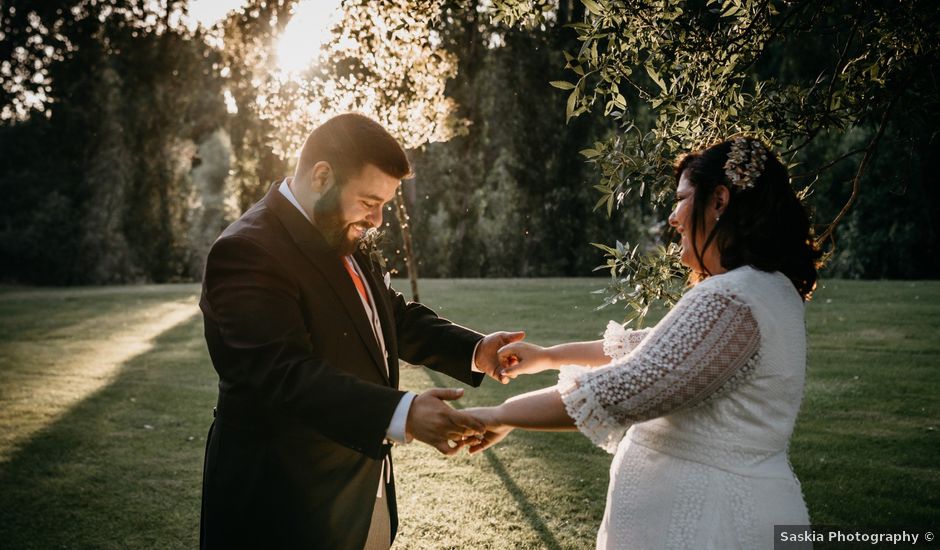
(526, 507)
(518, 494)
(122, 468)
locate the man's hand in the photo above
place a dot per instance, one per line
(432, 421)
(486, 359)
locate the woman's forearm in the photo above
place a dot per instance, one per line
(538, 410)
(589, 354)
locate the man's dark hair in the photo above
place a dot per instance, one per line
(349, 142)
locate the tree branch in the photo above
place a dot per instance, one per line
(828, 165)
(856, 181)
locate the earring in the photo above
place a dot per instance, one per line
(717, 218)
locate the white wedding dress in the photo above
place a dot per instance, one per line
(699, 411)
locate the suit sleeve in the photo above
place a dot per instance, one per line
(253, 316)
(424, 338)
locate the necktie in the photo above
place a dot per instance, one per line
(356, 279)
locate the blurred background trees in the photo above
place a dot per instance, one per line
(829, 85)
(130, 137)
(106, 108)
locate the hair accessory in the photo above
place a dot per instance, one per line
(745, 162)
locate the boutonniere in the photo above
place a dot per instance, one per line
(369, 245)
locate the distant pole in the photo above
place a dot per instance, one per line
(405, 225)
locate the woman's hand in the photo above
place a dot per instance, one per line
(495, 429)
(523, 358)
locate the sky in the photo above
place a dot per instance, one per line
(301, 39)
(209, 12)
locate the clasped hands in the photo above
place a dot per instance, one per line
(500, 355)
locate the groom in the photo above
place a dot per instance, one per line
(305, 334)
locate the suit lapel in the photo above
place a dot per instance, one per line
(312, 244)
(384, 308)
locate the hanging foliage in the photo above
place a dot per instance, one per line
(676, 76)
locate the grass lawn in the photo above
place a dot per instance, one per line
(106, 396)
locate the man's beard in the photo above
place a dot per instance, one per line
(328, 217)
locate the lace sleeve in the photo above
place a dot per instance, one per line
(619, 341)
(708, 339)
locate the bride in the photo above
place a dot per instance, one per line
(698, 410)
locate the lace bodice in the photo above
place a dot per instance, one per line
(724, 367)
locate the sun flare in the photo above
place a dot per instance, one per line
(306, 32)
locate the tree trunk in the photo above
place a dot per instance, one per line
(404, 223)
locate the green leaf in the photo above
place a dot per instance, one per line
(593, 7)
(608, 108)
(572, 105)
(590, 153)
(562, 85)
(605, 248)
(656, 78)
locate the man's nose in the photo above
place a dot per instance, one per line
(375, 216)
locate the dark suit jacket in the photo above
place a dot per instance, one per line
(294, 455)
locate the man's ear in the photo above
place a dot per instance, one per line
(322, 177)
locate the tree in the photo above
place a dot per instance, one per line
(381, 62)
(248, 41)
(508, 196)
(676, 76)
(106, 101)
(129, 139)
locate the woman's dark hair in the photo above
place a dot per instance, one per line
(351, 141)
(764, 226)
